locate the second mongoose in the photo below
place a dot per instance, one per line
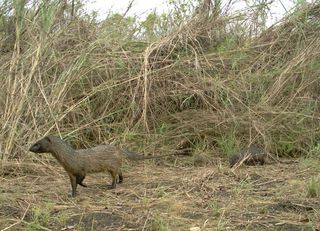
(78, 163)
(250, 156)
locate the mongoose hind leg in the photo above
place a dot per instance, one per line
(73, 181)
(80, 179)
(120, 177)
(114, 179)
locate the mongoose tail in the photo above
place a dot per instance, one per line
(134, 156)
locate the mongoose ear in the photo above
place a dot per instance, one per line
(47, 138)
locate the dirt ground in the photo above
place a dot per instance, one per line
(166, 196)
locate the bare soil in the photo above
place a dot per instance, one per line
(161, 197)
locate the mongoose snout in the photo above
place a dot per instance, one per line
(41, 146)
(34, 148)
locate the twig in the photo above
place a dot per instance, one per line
(128, 8)
(268, 182)
(145, 223)
(19, 221)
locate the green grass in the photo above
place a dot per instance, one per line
(228, 144)
(159, 222)
(313, 187)
(41, 217)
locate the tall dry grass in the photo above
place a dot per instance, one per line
(206, 78)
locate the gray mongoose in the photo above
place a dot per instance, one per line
(250, 156)
(79, 162)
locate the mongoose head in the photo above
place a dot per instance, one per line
(234, 159)
(42, 146)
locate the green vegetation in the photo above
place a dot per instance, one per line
(40, 217)
(158, 223)
(313, 188)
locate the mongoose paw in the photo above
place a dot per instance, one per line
(111, 186)
(73, 194)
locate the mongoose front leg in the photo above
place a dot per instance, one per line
(114, 182)
(73, 181)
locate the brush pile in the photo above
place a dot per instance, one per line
(213, 77)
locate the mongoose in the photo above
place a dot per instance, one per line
(250, 156)
(79, 162)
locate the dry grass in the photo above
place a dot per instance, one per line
(219, 80)
(206, 80)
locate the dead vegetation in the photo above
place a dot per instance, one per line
(208, 78)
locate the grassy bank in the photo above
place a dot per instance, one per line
(215, 78)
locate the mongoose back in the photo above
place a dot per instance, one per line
(78, 163)
(250, 156)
